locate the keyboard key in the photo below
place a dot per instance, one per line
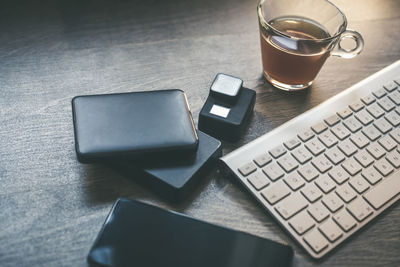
(391, 86)
(328, 139)
(291, 205)
(364, 158)
(318, 211)
(331, 230)
(325, 183)
(311, 192)
(339, 175)
(395, 97)
(302, 155)
(360, 209)
(344, 113)
(388, 143)
(393, 118)
(294, 181)
(332, 120)
(306, 135)
(273, 171)
(262, 160)
(383, 125)
(316, 241)
(379, 92)
(359, 139)
(364, 117)
(371, 175)
(258, 180)
(368, 99)
(292, 143)
(340, 131)
(396, 135)
(335, 155)
(308, 172)
(352, 124)
(247, 168)
(315, 147)
(375, 110)
(302, 222)
(351, 166)
(371, 132)
(359, 184)
(288, 163)
(386, 104)
(376, 150)
(275, 192)
(319, 127)
(332, 202)
(277, 151)
(345, 220)
(356, 106)
(394, 159)
(383, 192)
(347, 147)
(346, 193)
(384, 167)
(322, 163)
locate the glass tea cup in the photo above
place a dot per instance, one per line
(298, 36)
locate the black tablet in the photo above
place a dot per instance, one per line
(138, 234)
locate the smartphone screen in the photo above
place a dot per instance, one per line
(138, 234)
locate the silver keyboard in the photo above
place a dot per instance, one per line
(326, 173)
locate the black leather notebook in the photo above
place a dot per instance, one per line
(135, 125)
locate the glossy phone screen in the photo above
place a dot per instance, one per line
(138, 234)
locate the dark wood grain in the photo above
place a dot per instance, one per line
(52, 207)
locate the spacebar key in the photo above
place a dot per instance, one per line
(384, 191)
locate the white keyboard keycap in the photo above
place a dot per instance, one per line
(335, 155)
(356, 106)
(344, 113)
(311, 192)
(386, 104)
(277, 151)
(331, 230)
(316, 241)
(318, 211)
(273, 171)
(306, 135)
(319, 127)
(364, 117)
(332, 120)
(294, 181)
(388, 143)
(383, 125)
(288, 163)
(302, 155)
(352, 124)
(393, 118)
(247, 168)
(368, 99)
(302, 222)
(328, 139)
(385, 191)
(395, 97)
(315, 147)
(345, 220)
(396, 135)
(371, 175)
(347, 147)
(351, 166)
(359, 139)
(384, 167)
(340, 131)
(258, 180)
(390, 86)
(275, 192)
(371, 132)
(332, 202)
(308, 172)
(360, 209)
(394, 159)
(262, 160)
(339, 175)
(359, 184)
(376, 150)
(322, 163)
(291, 205)
(379, 92)
(346, 193)
(325, 183)
(292, 143)
(364, 158)
(375, 110)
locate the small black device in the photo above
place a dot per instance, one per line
(137, 125)
(227, 108)
(175, 179)
(138, 234)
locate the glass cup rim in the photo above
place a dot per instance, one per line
(265, 24)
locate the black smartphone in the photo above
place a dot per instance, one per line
(138, 234)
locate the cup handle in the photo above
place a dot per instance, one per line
(339, 51)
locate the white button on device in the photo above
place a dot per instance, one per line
(226, 86)
(220, 111)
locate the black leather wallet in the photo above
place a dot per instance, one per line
(137, 125)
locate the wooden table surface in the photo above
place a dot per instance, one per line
(52, 207)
